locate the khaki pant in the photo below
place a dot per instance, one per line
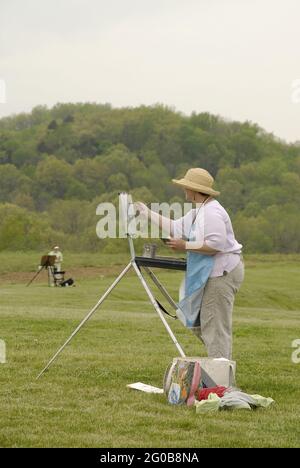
(216, 312)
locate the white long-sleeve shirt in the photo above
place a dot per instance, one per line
(215, 230)
(58, 255)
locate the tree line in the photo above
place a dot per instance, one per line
(58, 164)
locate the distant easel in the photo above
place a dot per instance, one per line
(47, 263)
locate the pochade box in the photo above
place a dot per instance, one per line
(222, 371)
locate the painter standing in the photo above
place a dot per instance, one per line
(215, 268)
(56, 252)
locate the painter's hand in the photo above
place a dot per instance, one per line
(176, 244)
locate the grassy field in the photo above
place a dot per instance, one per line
(83, 401)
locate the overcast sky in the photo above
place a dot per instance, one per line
(236, 58)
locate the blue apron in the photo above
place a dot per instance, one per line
(198, 270)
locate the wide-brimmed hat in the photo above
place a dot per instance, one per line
(198, 180)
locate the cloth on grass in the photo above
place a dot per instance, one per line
(210, 405)
(203, 393)
(232, 400)
(237, 400)
(263, 402)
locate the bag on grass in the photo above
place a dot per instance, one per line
(183, 379)
(68, 282)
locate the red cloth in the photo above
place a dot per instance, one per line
(204, 392)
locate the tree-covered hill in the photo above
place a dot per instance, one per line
(57, 164)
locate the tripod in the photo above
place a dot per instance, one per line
(137, 263)
(47, 263)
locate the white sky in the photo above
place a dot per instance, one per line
(235, 58)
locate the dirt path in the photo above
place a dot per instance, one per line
(77, 274)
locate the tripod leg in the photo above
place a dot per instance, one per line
(86, 318)
(34, 277)
(156, 307)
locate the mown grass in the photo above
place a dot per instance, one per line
(83, 401)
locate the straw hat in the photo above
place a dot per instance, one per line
(198, 180)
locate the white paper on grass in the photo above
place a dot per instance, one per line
(145, 387)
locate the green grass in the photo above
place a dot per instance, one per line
(83, 401)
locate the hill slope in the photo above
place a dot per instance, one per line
(57, 164)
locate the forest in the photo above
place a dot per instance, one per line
(57, 164)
